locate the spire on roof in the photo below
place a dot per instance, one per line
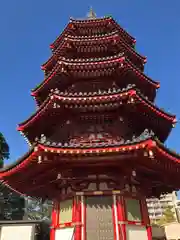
(91, 14)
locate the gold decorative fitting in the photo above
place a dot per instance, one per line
(98, 193)
(79, 193)
(116, 192)
(68, 122)
(63, 226)
(127, 187)
(138, 224)
(134, 173)
(59, 176)
(36, 149)
(39, 159)
(151, 154)
(134, 190)
(145, 154)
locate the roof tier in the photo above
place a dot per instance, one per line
(130, 101)
(46, 167)
(95, 68)
(90, 27)
(94, 46)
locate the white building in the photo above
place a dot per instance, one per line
(157, 206)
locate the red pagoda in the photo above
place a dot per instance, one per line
(97, 137)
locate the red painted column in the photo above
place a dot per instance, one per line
(83, 218)
(57, 213)
(54, 223)
(121, 217)
(146, 218)
(115, 218)
(77, 219)
(74, 210)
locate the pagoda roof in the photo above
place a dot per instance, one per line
(91, 23)
(106, 65)
(113, 37)
(110, 99)
(43, 164)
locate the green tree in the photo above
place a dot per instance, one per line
(168, 216)
(36, 209)
(11, 204)
(4, 149)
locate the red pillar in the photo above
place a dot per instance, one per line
(83, 219)
(117, 232)
(146, 218)
(121, 217)
(77, 218)
(54, 223)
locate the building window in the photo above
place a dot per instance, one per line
(133, 211)
(65, 213)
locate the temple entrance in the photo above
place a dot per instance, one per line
(95, 215)
(99, 218)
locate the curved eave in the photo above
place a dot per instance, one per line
(132, 39)
(149, 145)
(71, 39)
(166, 152)
(61, 36)
(64, 99)
(23, 162)
(59, 67)
(89, 22)
(65, 32)
(106, 38)
(67, 62)
(131, 95)
(153, 107)
(140, 74)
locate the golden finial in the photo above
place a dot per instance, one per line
(91, 14)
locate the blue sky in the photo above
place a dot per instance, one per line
(28, 27)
